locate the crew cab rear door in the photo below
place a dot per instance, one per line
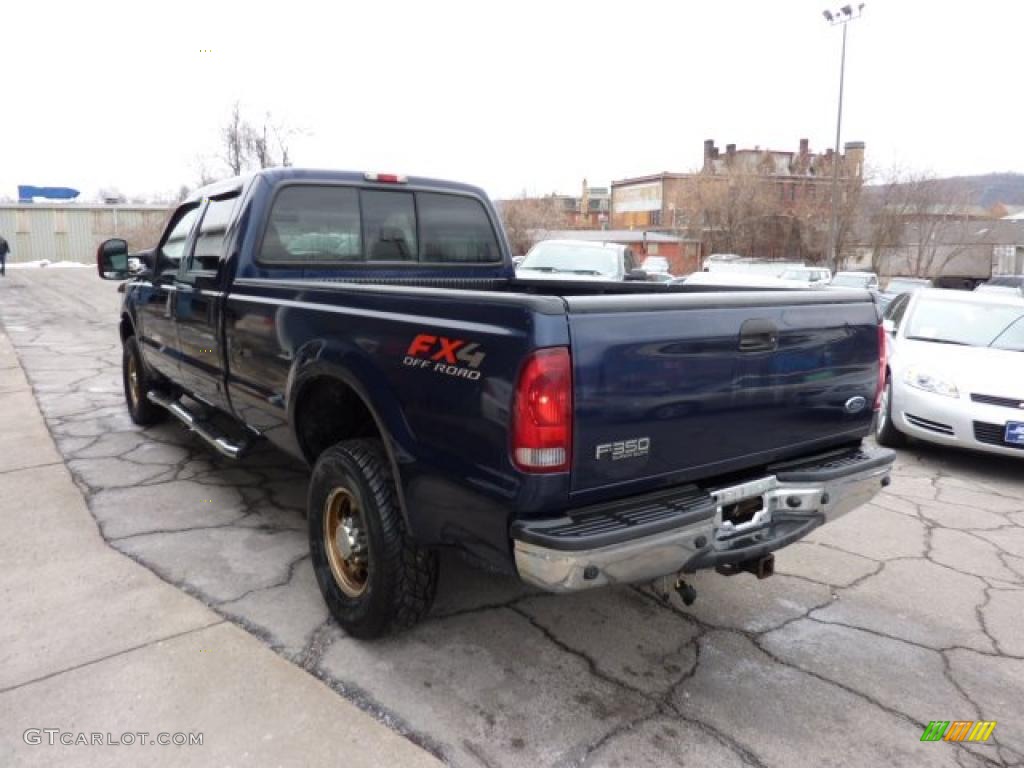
(155, 296)
(196, 301)
(684, 386)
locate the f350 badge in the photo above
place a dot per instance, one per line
(624, 449)
(452, 357)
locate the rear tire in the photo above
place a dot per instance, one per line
(374, 578)
(885, 431)
(137, 384)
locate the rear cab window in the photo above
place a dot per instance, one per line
(323, 225)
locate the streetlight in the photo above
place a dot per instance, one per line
(841, 18)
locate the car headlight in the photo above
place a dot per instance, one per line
(930, 381)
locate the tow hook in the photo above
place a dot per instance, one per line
(762, 567)
(686, 591)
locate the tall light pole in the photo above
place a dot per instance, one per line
(842, 17)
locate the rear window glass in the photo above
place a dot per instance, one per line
(345, 224)
(455, 229)
(314, 224)
(389, 221)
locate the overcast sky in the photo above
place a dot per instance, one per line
(512, 96)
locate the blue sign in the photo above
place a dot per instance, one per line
(26, 193)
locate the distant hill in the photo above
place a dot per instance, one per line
(991, 188)
(981, 192)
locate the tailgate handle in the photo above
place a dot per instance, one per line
(759, 335)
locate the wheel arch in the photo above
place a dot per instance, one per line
(329, 402)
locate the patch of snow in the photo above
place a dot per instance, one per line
(45, 263)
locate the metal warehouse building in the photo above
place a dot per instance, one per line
(71, 231)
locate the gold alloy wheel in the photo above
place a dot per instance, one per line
(133, 380)
(345, 541)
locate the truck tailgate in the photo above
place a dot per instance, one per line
(677, 386)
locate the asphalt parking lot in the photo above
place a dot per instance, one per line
(908, 610)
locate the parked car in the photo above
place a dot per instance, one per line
(1003, 283)
(580, 259)
(815, 277)
(866, 280)
(956, 371)
(898, 286)
(372, 326)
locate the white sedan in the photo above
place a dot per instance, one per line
(956, 371)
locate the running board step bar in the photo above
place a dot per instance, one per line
(210, 433)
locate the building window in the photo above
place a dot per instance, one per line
(652, 249)
(655, 219)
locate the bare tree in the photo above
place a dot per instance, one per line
(253, 145)
(234, 137)
(524, 217)
(729, 211)
(917, 224)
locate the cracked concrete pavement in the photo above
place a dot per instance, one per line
(908, 610)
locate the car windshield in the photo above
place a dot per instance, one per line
(851, 281)
(1000, 326)
(572, 258)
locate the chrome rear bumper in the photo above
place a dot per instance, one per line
(794, 500)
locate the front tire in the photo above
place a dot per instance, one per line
(374, 578)
(885, 431)
(137, 384)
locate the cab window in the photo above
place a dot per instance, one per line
(313, 224)
(389, 225)
(212, 230)
(173, 245)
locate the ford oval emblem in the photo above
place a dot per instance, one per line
(855, 404)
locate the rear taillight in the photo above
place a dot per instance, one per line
(883, 363)
(542, 413)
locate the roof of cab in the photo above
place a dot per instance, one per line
(275, 176)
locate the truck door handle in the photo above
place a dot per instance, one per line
(759, 335)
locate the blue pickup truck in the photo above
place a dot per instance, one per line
(575, 433)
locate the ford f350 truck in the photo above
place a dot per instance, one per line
(577, 434)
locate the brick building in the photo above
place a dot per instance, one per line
(785, 180)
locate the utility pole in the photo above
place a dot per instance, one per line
(842, 17)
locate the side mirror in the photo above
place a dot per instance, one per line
(636, 274)
(112, 259)
(889, 326)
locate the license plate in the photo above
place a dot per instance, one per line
(1014, 432)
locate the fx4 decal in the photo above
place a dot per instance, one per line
(452, 357)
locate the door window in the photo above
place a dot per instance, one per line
(212, 230)
(174, 244)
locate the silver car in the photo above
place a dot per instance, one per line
(956, 371)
